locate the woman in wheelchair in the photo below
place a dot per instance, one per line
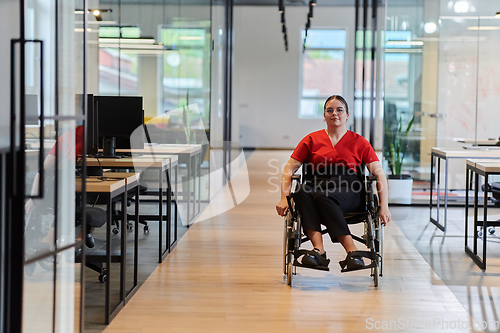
(334, 155)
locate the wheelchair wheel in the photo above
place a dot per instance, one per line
(373, 245)
(375, 275)
(289, 273)
(285, 244)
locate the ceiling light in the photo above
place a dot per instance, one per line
(497, 15)
(96, 12)
(485, 27)
(403, 43)
(430, 27)
(191, 37)
(144, 41)
(461, 7)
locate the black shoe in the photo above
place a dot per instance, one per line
(352, 262)
(311, 260)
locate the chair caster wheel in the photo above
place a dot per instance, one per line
(147, 228)
(103, 277)
(479, 234)
(116, 231)
(130, 226)
(491, 231)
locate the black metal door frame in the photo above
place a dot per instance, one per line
(13, 183)
(364, 49)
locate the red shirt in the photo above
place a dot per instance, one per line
(351, 151)
(70, 144)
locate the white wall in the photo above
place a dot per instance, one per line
(266, 79)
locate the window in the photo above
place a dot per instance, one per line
(322, 70)
(118, 68)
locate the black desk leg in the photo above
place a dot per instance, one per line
(108, 260)
(190, 164)
(198, 165)
(485, 218)
(169, 210)
(432, 185)
(467, 171)
(176, 203)
(136, 235)
(123, 250)
(476, 203)
(160, 216)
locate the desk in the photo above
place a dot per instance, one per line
(487, 142)
(476, 168)
(193, 155)
(161, 164)
(131, 182)
(110, 189)
(447, 154)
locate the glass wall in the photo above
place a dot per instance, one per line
(54, 86)
(441, 69)
(162, 52)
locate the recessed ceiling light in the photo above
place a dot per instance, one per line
(461, 7)
(483, 28)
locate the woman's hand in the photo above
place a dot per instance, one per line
(385, 215)
(282, 207)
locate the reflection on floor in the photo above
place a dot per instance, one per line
(226, 275)
(148, 261)
(478, 291)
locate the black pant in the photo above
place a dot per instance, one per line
(319, 205)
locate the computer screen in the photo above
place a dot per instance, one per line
(32, 109)
(119, 117)
(92, 126)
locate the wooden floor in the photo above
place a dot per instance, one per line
(226, 275)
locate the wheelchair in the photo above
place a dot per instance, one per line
(372, 237)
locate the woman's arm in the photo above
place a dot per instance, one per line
(286, 179)
(375, 168)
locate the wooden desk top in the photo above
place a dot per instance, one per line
(131, 178)
(175, 148)
(164, 149)
(485, 165)
(95, 185)
(145, 161)
(487, 142)
(466, 153)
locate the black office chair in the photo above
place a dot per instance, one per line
(93, 199)
(95, 218)
(372, 237)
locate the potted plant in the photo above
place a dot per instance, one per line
(400, 185)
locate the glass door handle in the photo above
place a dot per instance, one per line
(18, 115)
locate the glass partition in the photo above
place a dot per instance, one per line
(440, 65)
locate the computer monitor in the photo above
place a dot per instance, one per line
(92, 125)
(90, 122)
(118, 118)
(32, 109)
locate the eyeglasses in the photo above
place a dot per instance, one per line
(338, 111)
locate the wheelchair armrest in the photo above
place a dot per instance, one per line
(296, 177)
(372, 178)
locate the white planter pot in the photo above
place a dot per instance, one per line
(400, 191)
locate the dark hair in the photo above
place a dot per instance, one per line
(337, 97)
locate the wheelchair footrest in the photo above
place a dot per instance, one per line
(323, 262)
(363, 254)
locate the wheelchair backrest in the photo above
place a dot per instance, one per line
(360, 174)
